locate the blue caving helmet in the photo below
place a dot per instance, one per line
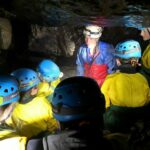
(77, 98)
(48, 70)
(128, 49)
(27, 78)
(9, 90)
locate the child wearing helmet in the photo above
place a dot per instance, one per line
(9, 95)
(95, 58)
(127, 92)
(50, 75)
(79, 111)
(32, 114)
(127, 55)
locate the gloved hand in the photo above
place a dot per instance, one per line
(63, 141)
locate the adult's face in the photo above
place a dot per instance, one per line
(91, 42)
(145, 33)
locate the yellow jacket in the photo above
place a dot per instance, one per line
(32, 118)
(128, 90)
(10, 140)
(46, 89)
(146, 57)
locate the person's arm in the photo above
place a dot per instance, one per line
(35, 144)
(63, 140)
(105, 92)
(79, 63)
(110, 59)
(13, 143)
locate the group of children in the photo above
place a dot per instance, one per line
(29, 110)
(25, 108)
(127, 91)
(120, 75)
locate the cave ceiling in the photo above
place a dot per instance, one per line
(69, 12)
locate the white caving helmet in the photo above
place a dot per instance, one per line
(93, 31)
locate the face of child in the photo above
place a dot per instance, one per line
(34, 90)
(5, 111)
(1, 110)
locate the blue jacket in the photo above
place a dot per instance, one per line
(105, 56)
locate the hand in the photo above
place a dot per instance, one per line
(67, 140)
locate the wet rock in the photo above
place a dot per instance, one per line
(5, 33)
(58, 41)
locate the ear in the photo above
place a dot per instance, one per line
(61, 75)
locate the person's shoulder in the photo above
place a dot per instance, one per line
(82, 48)
(111, 77)
(103, 43)
(106, 47)
(83, 45)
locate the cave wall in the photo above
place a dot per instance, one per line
(27, 44)
(31, 30)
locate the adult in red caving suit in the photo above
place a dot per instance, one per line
(95, 58)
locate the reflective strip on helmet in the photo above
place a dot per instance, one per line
(127, 52)
(28, 84)
(70, 111)
(11, 96)
(1, 100)
(89, 32)
(46, 78)
(42, 77)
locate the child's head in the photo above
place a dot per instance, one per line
(48, 70)
(76, 99)
(128, 52)
(9, 90)
(9, 93)
(27, 78)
